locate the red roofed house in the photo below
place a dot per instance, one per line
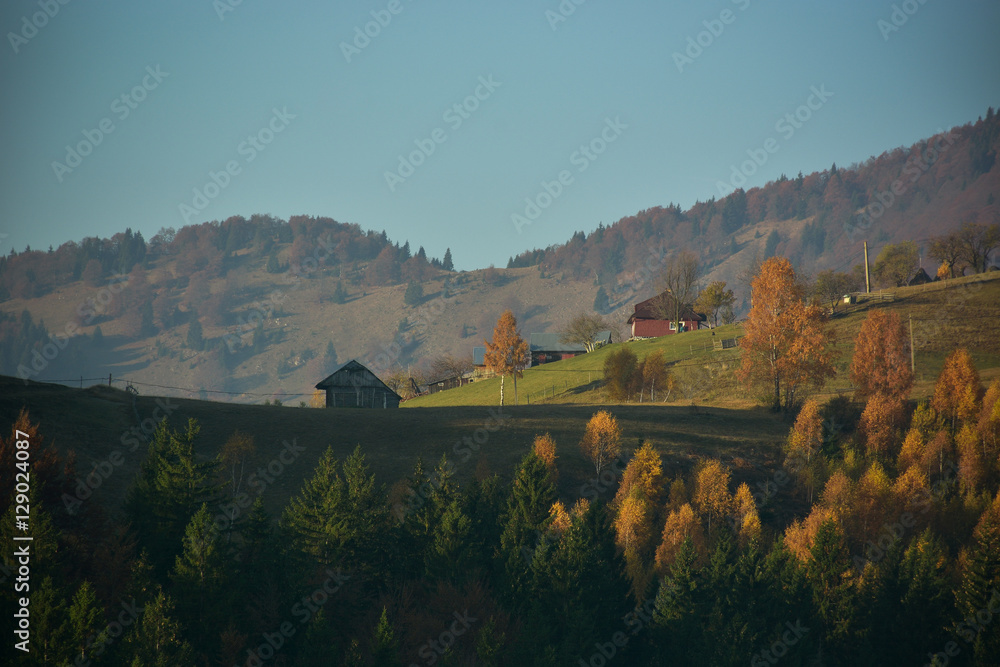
(652, 318)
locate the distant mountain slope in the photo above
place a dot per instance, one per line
(262, 308)
(820, 219)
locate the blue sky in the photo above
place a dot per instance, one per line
(329, 122)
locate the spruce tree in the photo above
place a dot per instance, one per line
(195, 341)
(172, 484)
(524, 524)
(156, 639)
(385, 646)
(446, 263)
(200, 577)
(85, 621)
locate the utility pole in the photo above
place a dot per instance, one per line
(913, 362)
(868, 282)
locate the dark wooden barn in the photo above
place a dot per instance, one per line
(354, 386)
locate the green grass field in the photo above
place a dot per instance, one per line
(949, 314)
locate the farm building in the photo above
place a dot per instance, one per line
(354, 386)
(652, 318)
(546, 347)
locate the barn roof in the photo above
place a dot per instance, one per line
(552, 342)
(647, 310)
(347, 374)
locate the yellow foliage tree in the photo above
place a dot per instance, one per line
(971, 464)
(799, 536)
(711, 491)
(872, 502)
(989, 418)
(645, 472)
(318, 399)
(507, 353)
(746, 518)
(912, 451)
(545, 449)
(804, 442)
(602, 440)
(559, 518)
(935, 451)
(680, 523)
(957, 391)
(879, 422)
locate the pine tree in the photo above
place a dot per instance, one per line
(172, 485)
(194, 335)
(85, 620)
(601, 302)
(414, 294)
(524, 523)
(51, 631)
(446, 263)
(385, 646)
(339, 520)
(833, 588)
(979, 588)
(200, 577)
(340, 293)
(156, 639)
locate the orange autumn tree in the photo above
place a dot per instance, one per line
(957, 392)
(507, 353)
(880, 421)
(711, 491)
(602, 440)
(785, 342)
(881, 362)
(545, 449)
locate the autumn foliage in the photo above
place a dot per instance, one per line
(602, 440)
(507, 353)
(785, 343)
(881, 362)
(957, 391)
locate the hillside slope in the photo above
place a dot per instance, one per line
(963, 312)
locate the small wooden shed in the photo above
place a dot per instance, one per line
(354, 386)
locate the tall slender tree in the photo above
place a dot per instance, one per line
(507, 353)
